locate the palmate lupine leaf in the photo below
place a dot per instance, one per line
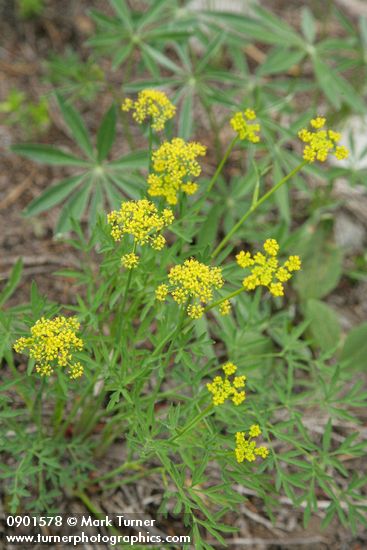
(98, 181)
(78, 131)
(148, 29)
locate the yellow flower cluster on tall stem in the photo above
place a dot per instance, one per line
(321, 142)
(265, 268)
(52, 344)
(194, 282)
(142, 220)
(244, 131)
(246, 448)
(225, 388)
(229, 387)
(153, 105)
(175, 164)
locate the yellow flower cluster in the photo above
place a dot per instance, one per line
(225, 307)
(246, 449)
(245, 129)
(224, 388)
(152, 104)
(321, 142)
(142, 220)
(191, 281)
(174, 164)
(130, 261)
(265, 269)
(52, 343)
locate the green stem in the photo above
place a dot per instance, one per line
(172, 335)
(95, 511)
(71, 416)
(113, 429)
(89, 416)
(162, 369)
(137, 465)
(221, 164)
(218, 302)
(132, 479)
(128, 282)
(193, 422)
(58, 411)
(38, 406)
(159, 348)
(108, 436)
(254, 206)
(120, 313)
(150, 147)
(20, 384)
(215, 130)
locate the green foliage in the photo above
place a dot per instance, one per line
(354, 351)
(146, 366)
(138, 32)
(98, 181)
(28, 9)
(74, 77)
(31, 117)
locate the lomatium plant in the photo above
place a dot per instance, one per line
(134, 358)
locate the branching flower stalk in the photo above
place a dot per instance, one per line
(208, 410)
(120, 314)
(246, 130)
(320, 143)
(191, 286)
(150, 148)
(254, 206)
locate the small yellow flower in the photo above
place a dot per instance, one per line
(250, 114)
(195, 311)
(76, 370)
(271, 247)
(276, 289)
(244, 259)
(153, 104)
(174, 164)
(239, 397)
(52, 344)
(157, 243)
(127, 105)
(335, 136)
(254, 430)
(130, 261)
(223, 388)
(189, 188)
(341, 152)
(318, 122)
(246, 449)
(283, 275)
(229, 368)
(245, 130)
(265, 269)
(142, 220)
(225, 308)
(192, 281)
(161, 292)
(239, 382)
(321, 142)
(293, 263)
